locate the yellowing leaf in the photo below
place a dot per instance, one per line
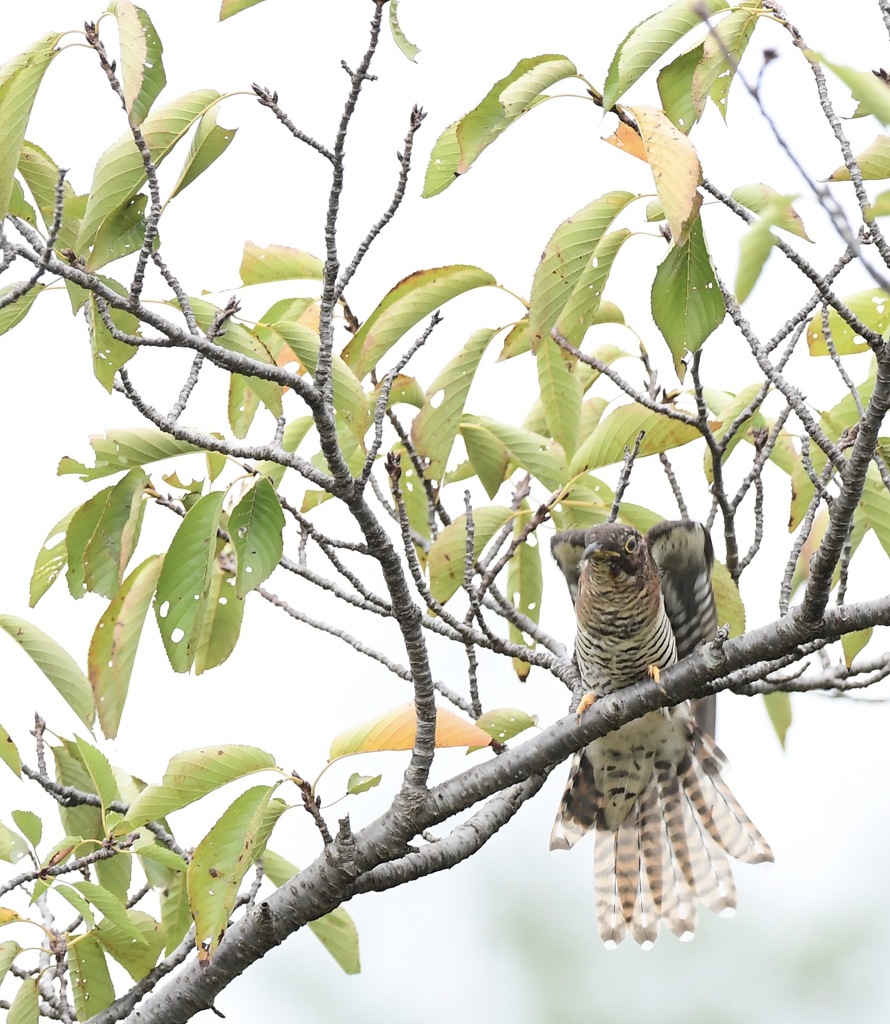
(141, 67)
(778, 707)
(448, 552)
(396, 730)
(627, 140)
(873, 161)
(730, 610)
(853, 643)
(871, 307)
(503, 724)
(259, 265)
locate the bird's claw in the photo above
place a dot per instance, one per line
(587, 701)
(654, 673)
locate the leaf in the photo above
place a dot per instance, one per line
(121, 234)
(724, 46)
(402, 41)
(535, 453)
(560, 394)
(728, 412)
(29, 825)
(760, 198)
(50, 560)
(582, 306)
(9, 950)
(9, 752)
(255, 526)
(112, 909)
(142, 70)
(675, 169)
(362, 783)
(176, 917)
(686, 302)
(503, 724)
(41, 175)
(221, 624)
(102, 535)
(525, 586)
(229, 8)
(395, 730)
(612, 435)
(853, 643)
(412, 299)
(461, 143)
(119, 450)
(12, 846)
(191, 775)
(120, 172)
(871, 307)
(137, 958)
(873, 162)
(488, 455)
(260, 265)
(210, 142)
(628, 141)
(222, 859)
(20, 79)
(182, 602)
(679, 102)
(435, 427)
(730, 610)
(778, 707)
(24, 1008)
(16, 311)
(414, 496)
(871, 91)
(90, 979)
(565, 256)
(449, 550)
(19, 206)
(100, 772)
(651, 39)
(55, 663)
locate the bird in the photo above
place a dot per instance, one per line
(664, 820)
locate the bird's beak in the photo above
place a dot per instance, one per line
(596, 550)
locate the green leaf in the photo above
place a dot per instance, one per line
(112, 909)
(560, 394)
(12, 846)
(875, 506)
(221, 624)
(435, 427)
(362, 783)
(414, 495)
(565, 257)
(612, 435)
(412, 299)
(754, 250)
(294, 433)
(9, 752)
(778, 707)
(255, 527)
(9, 950)
(83, 822)
(96, 763)
(222, 859)
(55, 663)
(19, 206)
(176, 917)
(503, 724)
(525, 586)
(25, 1008)
(137, 958)
(686, 302)
(16, 311)
(727, 411)
(853, 643)
(102, 536)
(582, 306)
(674, 83)
(724, 47)
(115, 640)
(730, 610)
(119, 450)
(41, 175)
(142, 70)
(229, 8)
(871, 91)
(873, 161)
(120, 172)
(508, 99)
(402, 41)
(871, 307)
(488, 455)
(109, 353)
(448, 551)
(121, 234)
(29, 825)
(278, 263)
(51, 559)
(651, 39)
(533, 452)
(210, 142)
(191, 775)
(90, 979)
(517, 342)
(20, 79)
(182, 602)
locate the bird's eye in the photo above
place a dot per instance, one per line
(631, 545)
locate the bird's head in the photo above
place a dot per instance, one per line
(615, 551)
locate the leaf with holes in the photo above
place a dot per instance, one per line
(137, 958)
(255, 527)
(674, 83)
(109, 353)
(503, 724)
(210, 142)
(9, 752)
(51, 560)
(525, 587)
(724, 46)
(181, 605)
(142, 70)
(448, 552)
(115, 639)
(222, 859)
(871, 307)
(395, 730)
(361, 783)
(91, 982)
(41, 174)
(412, 299)
(119, 450)
(435, 426)
(221, 625)
(55, 663)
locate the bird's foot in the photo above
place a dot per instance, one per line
(587, 700)
(654, 673)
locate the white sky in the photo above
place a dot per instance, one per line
(512, 931)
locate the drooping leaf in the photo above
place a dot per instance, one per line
(16, 311)
(414, 496)
(55, 663)
(532, 452)
(674, 83)
(101, 775)
(686, 302)
(90, 978)
(210, 142)
(9, 752)
(112, 909)
(760, 198)
(9, 950)
(612, 435)
(12, 846)
(122, 233)
(560, 394)
(115, 639)
(402, 41)
(20, 79)
(508, 99)
(730, 609)
(525, 587)
(778, 707)
(119, 450)
(395, 730)
(724, 46)
(435, 427)
(229, 8)
(137, 958)
(582, 306)
(871, 91)
(222, 859)
(41, 175)
(651, 39)
(191, 775)
(109, 353)
(565, 257)
(448, 552)
(412, 299)
(853, 643)
(871, 307)
(728, 410)
(873, 161)
(255, 526)
(142, 70)
(675, 169)
(51, 560)
(361, 783)
(29, 825)
(488, 455)
(25, 1008)
(259, 264)
(221, 623)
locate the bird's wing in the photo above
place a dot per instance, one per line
(567, 547)
(684, 554)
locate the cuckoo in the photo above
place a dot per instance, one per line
(664, 820)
